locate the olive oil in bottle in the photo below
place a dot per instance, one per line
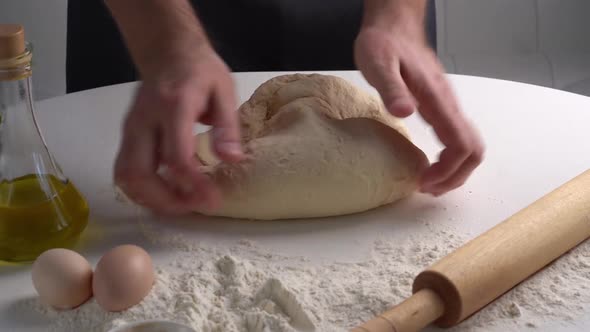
(40, 208)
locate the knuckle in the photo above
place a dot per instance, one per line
(171, 95)
(462, 148)
(466, 144)
(478, 152)
(459, 183)
(478, 155)
(437, 83)
(171, 103)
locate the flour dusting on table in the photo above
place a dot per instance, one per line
(249, 289)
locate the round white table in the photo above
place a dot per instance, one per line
(536, 138)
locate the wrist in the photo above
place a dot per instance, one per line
(403, 17)
(159, 33)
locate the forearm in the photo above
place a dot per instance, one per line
(157, 31)
(405, 15)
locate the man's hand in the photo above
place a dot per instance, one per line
(183, 82)
(158, 132)
(392, 53)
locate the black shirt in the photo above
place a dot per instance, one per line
(250, 35)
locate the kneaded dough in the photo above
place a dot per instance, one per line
(317, 146)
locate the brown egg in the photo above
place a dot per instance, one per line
(62, 278)
(122, 277)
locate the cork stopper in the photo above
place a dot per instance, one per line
(12, 40)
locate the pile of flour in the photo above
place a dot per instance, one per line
(249, 289)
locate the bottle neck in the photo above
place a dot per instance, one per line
(22, 148)
(16, 68)
(16, 98)
(16, 107)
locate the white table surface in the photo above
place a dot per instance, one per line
(537, 138)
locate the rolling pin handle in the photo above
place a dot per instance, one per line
(412, 315)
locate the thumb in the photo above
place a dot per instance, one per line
(226, 129)
(397, 98)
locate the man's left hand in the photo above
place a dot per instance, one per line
(397, 61)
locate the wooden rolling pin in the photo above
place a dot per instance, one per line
(486, 267)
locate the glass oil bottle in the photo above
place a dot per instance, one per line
(40, 208)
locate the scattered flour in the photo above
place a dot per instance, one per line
(249, 289)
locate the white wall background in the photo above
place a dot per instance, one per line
(544, 42)
(45, 28)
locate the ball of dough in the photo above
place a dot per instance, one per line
(316, 146)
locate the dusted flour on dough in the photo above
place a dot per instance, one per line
(248, 289)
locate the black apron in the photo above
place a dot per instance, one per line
(250, 35)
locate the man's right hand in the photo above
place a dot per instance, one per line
(183, 82)
(158, 131)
